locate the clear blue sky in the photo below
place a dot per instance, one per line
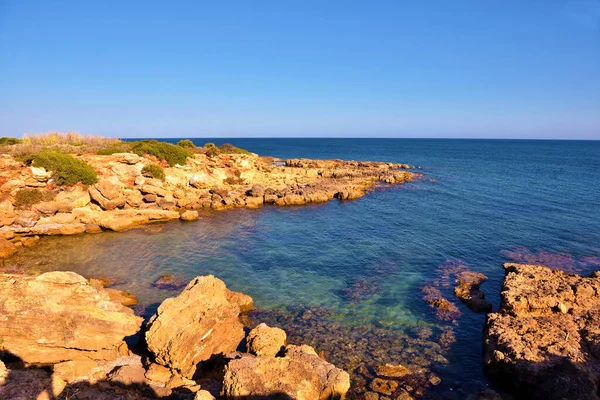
(444, 68)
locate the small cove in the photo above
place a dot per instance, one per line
(357, 267)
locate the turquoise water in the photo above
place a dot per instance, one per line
(484, 202)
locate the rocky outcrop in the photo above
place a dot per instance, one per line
(59, 316)
(194, 326)
(74, 330)
(124, 198)
(301, 374)
(6, 248)
(544, 342)
(265, 341)
(469, 292)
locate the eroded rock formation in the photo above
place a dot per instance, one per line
(301, 374)
(124, 198)
(545, 339)
(59, 316)
(193, 326)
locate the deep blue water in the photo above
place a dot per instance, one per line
(479, 198)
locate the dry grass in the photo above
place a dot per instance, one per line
(69, 138)
(71, 142)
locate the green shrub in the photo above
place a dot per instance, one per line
(211, 150)
(186, 143)
(227, 148)
(122, 147)
(9, 141)
(66, 169)
(25, 198)
(154, 171)
(162, 150)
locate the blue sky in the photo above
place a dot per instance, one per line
(501, 69)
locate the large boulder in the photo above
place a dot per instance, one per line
(545, 339)
(195, 325)
(59, 316)
(108, 195)
(300, 375)
(6, 248)
(265, 341)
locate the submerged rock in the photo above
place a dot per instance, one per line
(300, 375)
(545, 340)
(170, 282)
(468, 291)
(59, 316)
(194, 326)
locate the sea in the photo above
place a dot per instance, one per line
(356, 269)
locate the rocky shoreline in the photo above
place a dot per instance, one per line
(544, 342)
(64, 337)
(125, 196)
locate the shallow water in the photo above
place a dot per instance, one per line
(491, 201)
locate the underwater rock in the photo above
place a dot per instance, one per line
(195, 325)
(170, 282)
(468, 291)
(361, 289)
(125, 298)
(301, 374)
(59, 316)
(544, 342)
(445, 310)
(189, 215)
(359, 348)
(266, 341)
(392, 371)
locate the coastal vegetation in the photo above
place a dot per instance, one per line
(8, 141)
(168, 152)
(211, 150)
(66, 169)
(25, 198)
(154, 171)
(186, 143)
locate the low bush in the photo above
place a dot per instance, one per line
(186, 143)
(122, 147)
(66, 169)
(171, 153)
(25, 198)
(228, 148)
(211, 150)
(8, 141)
(154, 171)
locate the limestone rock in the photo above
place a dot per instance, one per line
(108, 195)
(266, 341)
(129, 375)
(533, 344)
(203, 395)
(7, 249)
(392, 371)
(301, 375)
(193, 326)
(125, 298)
(243, 301)
(75, 198)
(170, 282)
(58, 316)
(126, 158)
(468, 291)
(189, 215)
(257, 190)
